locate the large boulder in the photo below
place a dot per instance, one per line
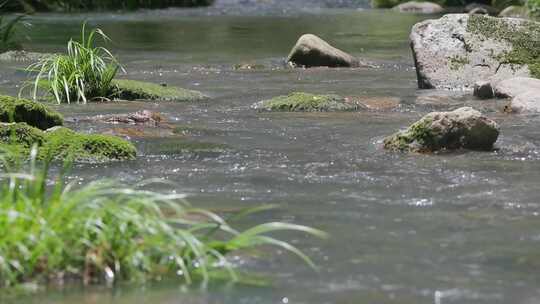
(419, 7)
(457, 50)
(312, 51)
(33, 113)
(512, 87)
(514, 11)
(306, 102)
(527, 102)
(464, 128)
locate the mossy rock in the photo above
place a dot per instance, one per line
(458, 50)
(65, 143)
(188, 146)
(21, 134)
(33, 113)
(138, 90)
(464, 128)
(306, 102)
(62, 143)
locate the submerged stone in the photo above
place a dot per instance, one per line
(483, 89)
(33, 113)
(62, 143)
(306, 102)
(140, 90)
(464, 128)
(457, 50)
(419, 7)
(312, 51)
(22, 56)
(512, 87)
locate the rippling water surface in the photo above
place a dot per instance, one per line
(450, 228)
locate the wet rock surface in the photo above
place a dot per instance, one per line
(457, 50)
(464, 128)
(312, 51)
(419, 7)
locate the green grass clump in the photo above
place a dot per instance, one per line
(306, 102)
(33, 113)
(138, 90)
(102, 232)
(524, 39)
(83, 74)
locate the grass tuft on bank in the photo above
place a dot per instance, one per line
(55, 231)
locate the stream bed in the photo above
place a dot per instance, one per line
(450, 228)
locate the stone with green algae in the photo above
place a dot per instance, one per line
(306, 102)
(463, 128)
(62, 143)
(33, 113)
(139, 90)
(457, 50)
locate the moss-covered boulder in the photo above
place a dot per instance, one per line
(306, 102)
(464, 128)
(62, 143)
(33, 113)
(458, 50)
(139, 90)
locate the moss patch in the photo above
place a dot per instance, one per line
(62, 143)
(33, 113)
(187, 146)
(418, 138)
(457, 62)
(523, 36)
(65, 143)
(139, 90)
(305, 102)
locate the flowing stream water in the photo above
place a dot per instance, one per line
(449, 228)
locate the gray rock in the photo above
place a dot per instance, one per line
(419, 7)
(479, 8)
(22, 56)
(512, 87)
(464, 128)
(527, 102)
(514, 11)
(478, 11)
(312, 51)
(457, 50)
(483, 89)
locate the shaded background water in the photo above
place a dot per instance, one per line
(450, 228)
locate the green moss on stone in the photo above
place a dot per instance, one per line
(62, 143)
(457, 62)
(523, 37)
(33, 113)
(139, 90)
(65, 143)
(187, 146)
(418, 137)
(305, 102)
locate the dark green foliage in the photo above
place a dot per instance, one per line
(33, 113)
(77, 5)
(8, 31)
